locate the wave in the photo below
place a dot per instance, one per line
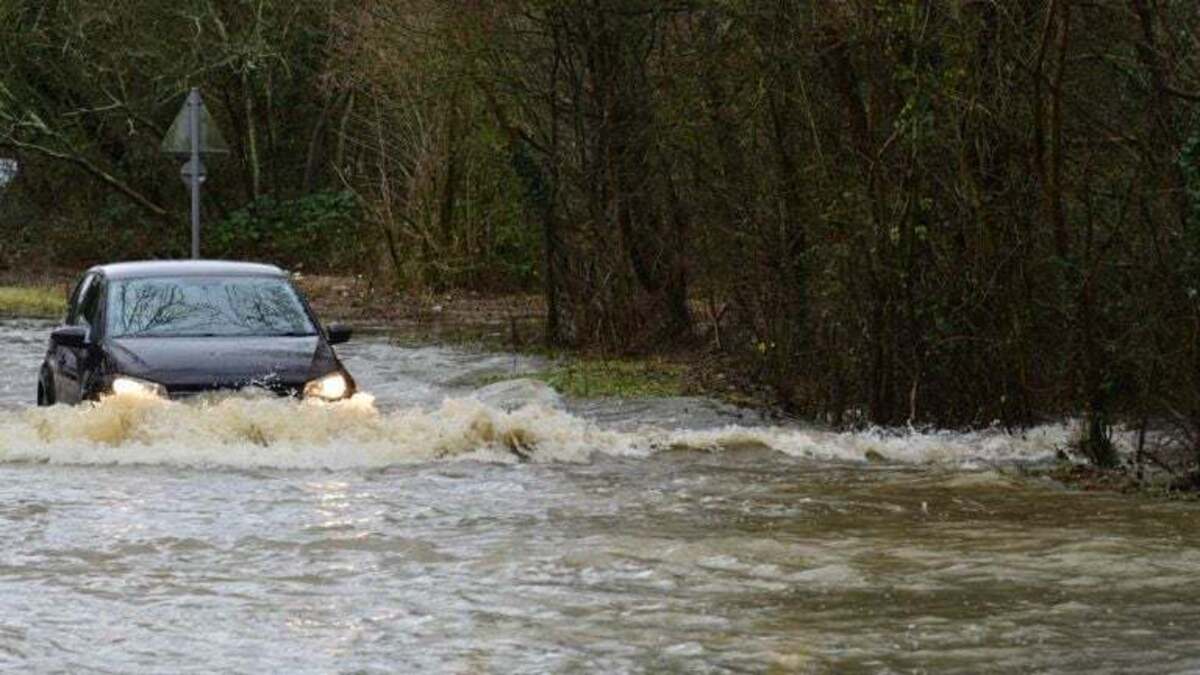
(266, 432)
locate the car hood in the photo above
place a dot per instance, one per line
(219, 362)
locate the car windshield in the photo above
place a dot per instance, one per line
(205, 307)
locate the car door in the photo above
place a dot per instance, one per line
(56, 359)
(73, 363)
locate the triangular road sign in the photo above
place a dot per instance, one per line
(178, 140)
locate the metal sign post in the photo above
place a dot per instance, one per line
(193, 105)
(191, 136)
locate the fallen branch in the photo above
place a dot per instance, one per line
(95, 171)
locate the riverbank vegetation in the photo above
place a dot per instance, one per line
(584, 378)
(34, 302)
(928, 212)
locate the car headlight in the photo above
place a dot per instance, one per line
(332, 387)
(132, 386)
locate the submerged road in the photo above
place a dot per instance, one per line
(431, 529)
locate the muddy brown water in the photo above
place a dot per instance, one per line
(403, 533)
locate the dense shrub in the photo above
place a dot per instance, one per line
(318, 232)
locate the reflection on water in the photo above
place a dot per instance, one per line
(463, 535)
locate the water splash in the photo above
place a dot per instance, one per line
(262, 431)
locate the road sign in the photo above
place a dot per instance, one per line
(192, 135)
(178, 141)
(187, 170)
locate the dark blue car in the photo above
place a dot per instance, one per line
(174, 329)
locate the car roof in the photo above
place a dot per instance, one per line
(186, 268)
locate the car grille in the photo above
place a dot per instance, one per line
(191, 391)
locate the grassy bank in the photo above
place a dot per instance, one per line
(32, 302)
(622, 378)
(579, 376)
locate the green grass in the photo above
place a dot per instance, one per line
(31, 302)
(626, 379)
(594, 378)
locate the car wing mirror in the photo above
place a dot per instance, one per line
(338, 333)
(69, 336)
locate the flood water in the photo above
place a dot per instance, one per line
(440, 529)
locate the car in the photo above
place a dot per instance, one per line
(175, 329)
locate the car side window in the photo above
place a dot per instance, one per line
(89, 305)
(77, 299)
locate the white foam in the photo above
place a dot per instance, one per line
(248, 432)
